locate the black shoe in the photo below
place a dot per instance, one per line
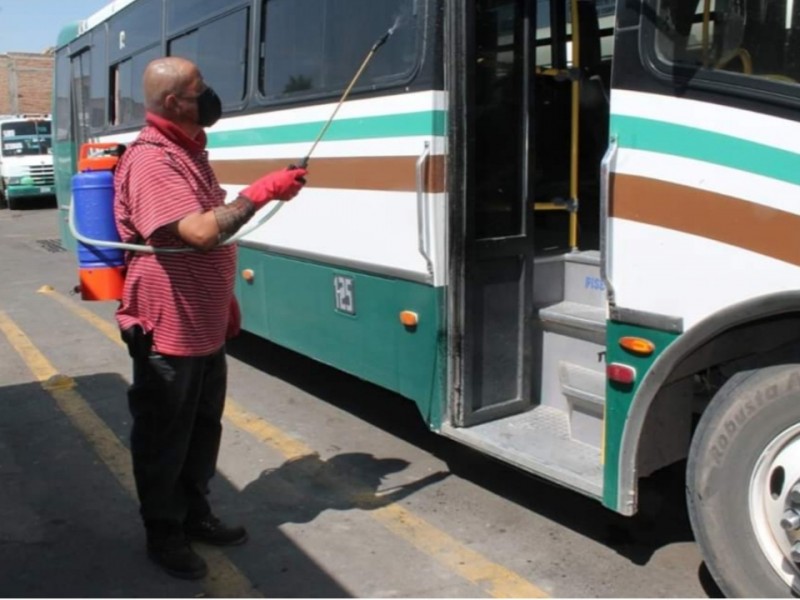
(176, 557)
(213, 531)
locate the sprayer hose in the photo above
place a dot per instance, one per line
(154, 250)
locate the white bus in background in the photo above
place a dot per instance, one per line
(26, 158)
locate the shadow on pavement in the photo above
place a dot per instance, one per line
(298, 492)
(662, 517)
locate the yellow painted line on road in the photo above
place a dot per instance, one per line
(110, 330)
(224, 579)
(62, 390)
(264, 432)
(494, 579)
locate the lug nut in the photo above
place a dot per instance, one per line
(795, 552)
(790, 520)
(794, 494)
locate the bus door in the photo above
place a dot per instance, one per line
(490, 155)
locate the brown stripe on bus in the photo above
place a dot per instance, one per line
(726, 219)
(383, 173)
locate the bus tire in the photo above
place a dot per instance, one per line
(743, 462)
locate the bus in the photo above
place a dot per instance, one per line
(566, 230)
(26, 158)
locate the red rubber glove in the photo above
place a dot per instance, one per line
(278, 185)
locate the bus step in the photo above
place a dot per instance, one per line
(584, 390)
(582, 281)
(573, 366)
(575, 319)
(537, 441)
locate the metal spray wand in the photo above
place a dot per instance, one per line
(381, 41)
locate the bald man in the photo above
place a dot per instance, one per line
(178, 309)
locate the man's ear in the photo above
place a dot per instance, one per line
(172, 105)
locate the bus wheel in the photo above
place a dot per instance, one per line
(743, 483)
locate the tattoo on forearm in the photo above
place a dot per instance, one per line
(232, 216)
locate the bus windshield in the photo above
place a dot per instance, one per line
(25, 138)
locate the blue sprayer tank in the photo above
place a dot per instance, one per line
(102, 270)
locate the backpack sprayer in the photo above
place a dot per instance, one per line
(101, 259)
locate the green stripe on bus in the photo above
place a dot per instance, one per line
(430, 123)
(698, 144)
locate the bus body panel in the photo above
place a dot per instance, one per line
(722, 185)
(349, 319)
(700, 223)
(619, 398)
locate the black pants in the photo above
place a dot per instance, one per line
(176, 403)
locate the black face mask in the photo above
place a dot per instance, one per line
(209, 108)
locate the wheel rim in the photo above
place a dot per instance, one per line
(776, 472)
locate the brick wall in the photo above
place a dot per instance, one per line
(26, 83)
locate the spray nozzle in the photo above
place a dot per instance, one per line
(386, 35)
(383, 39)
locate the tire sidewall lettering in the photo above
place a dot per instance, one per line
(735, 423)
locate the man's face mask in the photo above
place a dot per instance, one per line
(209, 108)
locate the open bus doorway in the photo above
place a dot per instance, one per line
(527, 377)
(498, 243)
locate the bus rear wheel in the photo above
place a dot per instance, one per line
(743, 483)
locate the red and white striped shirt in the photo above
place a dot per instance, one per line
(183, 298)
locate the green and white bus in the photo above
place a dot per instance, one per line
(565, 229)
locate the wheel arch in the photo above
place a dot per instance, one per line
(682, 351)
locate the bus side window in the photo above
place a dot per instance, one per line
(81, 73)
(115, 108)
(62, 92)
(752, 38)
(315, 46)
(127, 98)
(97, 84)
(220, 49)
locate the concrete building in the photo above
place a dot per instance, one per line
(26, 82)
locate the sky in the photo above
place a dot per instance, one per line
(33, 25)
